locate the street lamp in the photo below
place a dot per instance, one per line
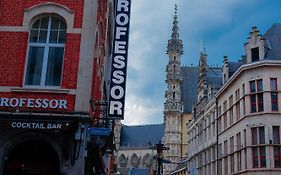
(159, 147)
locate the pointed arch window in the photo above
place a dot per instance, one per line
(45, 52)
(134, 160)
(123, 160)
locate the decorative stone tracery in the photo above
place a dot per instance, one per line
(134, 160)
(146, 160)
(123, 160)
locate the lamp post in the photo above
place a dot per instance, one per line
(159, 147)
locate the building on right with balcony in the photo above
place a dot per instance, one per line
(242, 134)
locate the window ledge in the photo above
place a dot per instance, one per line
(42, 90)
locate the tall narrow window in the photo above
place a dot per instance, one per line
(276, 148)
(219, 124)
(256, 96)
(245, 150)
(260, 95)
(219, 120)
(232, 154)
(258, 148)
(214, 128)
(225, 157)
(262, 148)
(220, 150)
(237, 98)
(231, 110)
(239, 146)
(255, 54)
(220, 167)
(225, 115)
(253, 96)
(244, 101)
(46, 51)
(274, 95)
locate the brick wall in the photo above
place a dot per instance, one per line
(11, 11)
(14, 46)
(98, 64)
(71, 60)
(98, 74)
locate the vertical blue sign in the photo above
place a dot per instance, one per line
(119, 60)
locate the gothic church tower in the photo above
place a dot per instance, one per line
(202, 90)
(173, 104)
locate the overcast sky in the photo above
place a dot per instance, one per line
(224, 25)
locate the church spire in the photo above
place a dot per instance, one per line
(203, 47)
(175, 43)
(173, 104)
(175, 34)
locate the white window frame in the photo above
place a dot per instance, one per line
(46, 46)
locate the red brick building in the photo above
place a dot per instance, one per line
(53, 57)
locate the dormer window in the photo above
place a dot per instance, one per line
(255, 54)
(255, 46)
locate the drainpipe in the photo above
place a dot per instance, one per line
(217, 128)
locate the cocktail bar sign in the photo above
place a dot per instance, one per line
(33, 103)
(36, 124)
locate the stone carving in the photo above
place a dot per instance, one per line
(146, 160)
(134, 160)
(123, 160)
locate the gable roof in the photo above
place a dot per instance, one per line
(273, 38)
(190, 83)
(214, 77)
(141, 135)
(234, 66)
(189, 87)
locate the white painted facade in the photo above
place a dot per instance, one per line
(202, 140)
(244, 121)
(238, 131)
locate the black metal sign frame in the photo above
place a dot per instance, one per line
(119, 60)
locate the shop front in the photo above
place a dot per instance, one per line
(41, 144)
(32, 157)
